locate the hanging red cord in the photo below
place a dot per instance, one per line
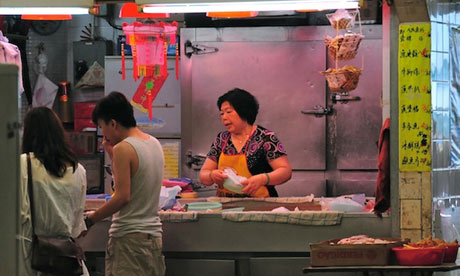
(177, 60)
(123, 65)
(165, 61)
(149, 86)
(135, 70)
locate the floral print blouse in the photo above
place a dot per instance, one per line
(263, 146)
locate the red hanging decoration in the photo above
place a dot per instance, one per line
(177, 60)
(149, 44)
(149, 97)
(123, 64)
(165, 59)
(146, 93)
(131, 10)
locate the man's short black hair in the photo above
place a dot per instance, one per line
(115, 106)
(244, 103)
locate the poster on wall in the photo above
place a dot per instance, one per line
(171, 151)
(414, 90)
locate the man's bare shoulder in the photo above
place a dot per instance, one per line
(124, 148)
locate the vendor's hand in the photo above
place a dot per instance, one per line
(88, 222)
(218, 177)
(253, 183)
(108, 147)
(82, 234)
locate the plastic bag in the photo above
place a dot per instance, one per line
(342, 19)
(168, 197)
(44, 92)
(232, 182)
(360, 198)
(345, 205)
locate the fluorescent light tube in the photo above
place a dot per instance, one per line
(247, 6)
(42, 10)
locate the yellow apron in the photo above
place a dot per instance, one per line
(239, 163)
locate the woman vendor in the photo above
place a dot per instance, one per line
(250, 150)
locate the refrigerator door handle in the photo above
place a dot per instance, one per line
(197, 49)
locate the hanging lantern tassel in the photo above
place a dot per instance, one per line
(123, 66)
(177, 60)
(135, 69)
(165, 62)
(149, 86)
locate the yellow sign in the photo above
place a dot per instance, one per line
(171, 154)
(414, 69)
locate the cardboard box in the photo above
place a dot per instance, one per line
(82, 142)
(80, 124)
(84, 110)
(329, 253)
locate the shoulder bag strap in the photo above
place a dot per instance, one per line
(30, 191)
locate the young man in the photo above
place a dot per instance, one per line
(135, 244)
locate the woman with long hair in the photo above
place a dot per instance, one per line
(58, 183)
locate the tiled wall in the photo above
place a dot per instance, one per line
(415, 204)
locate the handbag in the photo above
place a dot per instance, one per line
(54, 255)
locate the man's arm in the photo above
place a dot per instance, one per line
(122, 157)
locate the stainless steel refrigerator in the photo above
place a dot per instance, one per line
(166, 122)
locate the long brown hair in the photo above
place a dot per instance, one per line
(44, 136)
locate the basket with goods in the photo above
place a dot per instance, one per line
(427, 252)
(343, 47)
(342, 19)
(342, 79)
(355, 250)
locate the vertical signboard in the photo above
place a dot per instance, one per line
(414, 97)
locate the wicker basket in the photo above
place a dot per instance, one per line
(343, 47)
(342, 19)
(343, 79)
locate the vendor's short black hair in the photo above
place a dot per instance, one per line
(114, 106)
(244, 103)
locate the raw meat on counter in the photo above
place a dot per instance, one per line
(363, 239)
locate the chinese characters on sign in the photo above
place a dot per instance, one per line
(171, 154)
(414, 69)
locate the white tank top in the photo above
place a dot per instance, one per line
(141, 213)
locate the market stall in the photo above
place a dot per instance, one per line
(231, 243)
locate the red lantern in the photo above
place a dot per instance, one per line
(131, 10)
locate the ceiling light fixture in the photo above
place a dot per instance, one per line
(46, 17)
(236, 14)
(281, 5)
(42, 10)
(309, 10)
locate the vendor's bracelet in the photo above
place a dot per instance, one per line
(268, 179)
